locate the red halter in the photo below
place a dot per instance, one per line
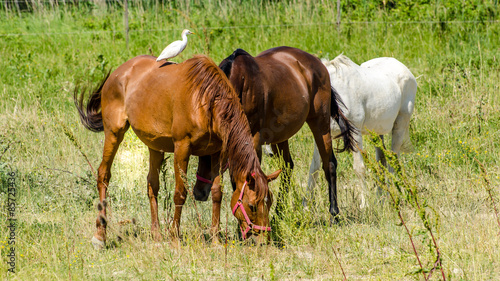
(202, 179)
(250, 225)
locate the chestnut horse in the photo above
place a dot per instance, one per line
(280, 90)
(188, 109)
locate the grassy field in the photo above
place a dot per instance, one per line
(46, 53)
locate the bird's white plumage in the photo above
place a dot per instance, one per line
(175, 48)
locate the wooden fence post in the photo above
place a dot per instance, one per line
(338, 13)
(125, 5)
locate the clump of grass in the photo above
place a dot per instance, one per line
(74, 141)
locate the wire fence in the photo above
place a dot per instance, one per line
(250, 27)
(29, 5)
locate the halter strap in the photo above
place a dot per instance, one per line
(202, 179)
(250, 225)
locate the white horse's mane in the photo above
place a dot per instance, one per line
(342, 59)
(339, 62)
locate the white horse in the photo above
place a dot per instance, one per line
(379, 96)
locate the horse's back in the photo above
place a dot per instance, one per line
(395, 70)
(157, 101)
(293, 68)
(297, 86)
(401, 75)
(372, 100)
(407, 85)
(310, 66)
(125, 76)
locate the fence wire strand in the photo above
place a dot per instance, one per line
(248, 27)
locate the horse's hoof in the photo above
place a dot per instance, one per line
(363, 204)
(175, 244)
(98, 244)
(159, 245)
(335, 220)
(216, 244)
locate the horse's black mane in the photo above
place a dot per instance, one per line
(227, 63)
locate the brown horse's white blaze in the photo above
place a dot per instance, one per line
(281, 89)
(188, 109)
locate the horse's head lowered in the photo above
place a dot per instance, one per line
(251, 202)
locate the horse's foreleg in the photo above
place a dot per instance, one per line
(181, 159)
(286, 175)
(358, 163)
(217, 194)
(313, 175)
(112, 141)
(360, 170)
(381, 160)
(155, 161)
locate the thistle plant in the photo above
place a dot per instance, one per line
(401, 189)
(489, 189)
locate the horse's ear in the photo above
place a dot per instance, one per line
(273, 176)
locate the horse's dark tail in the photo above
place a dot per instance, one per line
(90, 115)
(347, 129)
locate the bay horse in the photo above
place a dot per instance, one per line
(379, 96)
(281, 89)
(188, 109)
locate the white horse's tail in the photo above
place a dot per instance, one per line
(347, 129)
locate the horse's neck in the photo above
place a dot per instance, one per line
(252, 88)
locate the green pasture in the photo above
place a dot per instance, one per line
(450, 168)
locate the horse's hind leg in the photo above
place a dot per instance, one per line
(400, 131)
(112, 139)
(324, 143)
(283, 150)
(155, 161)
(379, 154)
(401, 127)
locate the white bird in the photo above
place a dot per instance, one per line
(175, 48)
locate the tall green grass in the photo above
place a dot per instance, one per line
(47, 52)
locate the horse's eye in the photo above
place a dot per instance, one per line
(252, 208)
